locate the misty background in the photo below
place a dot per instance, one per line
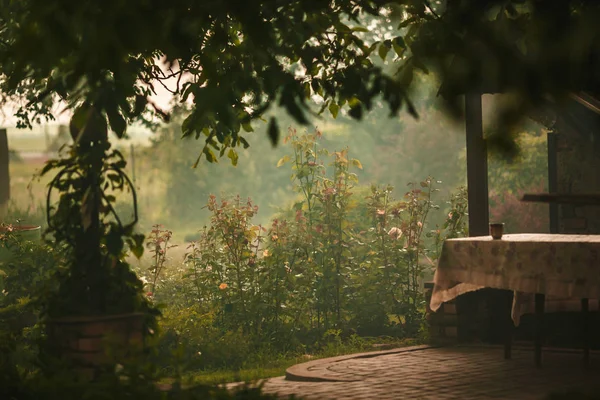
(395, 151)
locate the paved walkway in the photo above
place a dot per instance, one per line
(423, 372)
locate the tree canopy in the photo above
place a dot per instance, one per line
(236, 59)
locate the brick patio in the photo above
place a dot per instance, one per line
(468, 372)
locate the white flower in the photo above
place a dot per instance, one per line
(395, 233)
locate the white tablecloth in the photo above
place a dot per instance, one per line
(565, 268)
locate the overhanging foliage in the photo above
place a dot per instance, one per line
(237, 59)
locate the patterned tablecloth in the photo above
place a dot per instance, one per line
(565, 268)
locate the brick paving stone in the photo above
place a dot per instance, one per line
(464, 373)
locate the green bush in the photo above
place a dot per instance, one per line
(343, 262)
(23, 281)
(198, 343)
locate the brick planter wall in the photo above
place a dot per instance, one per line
(91, 343)
(443, 324)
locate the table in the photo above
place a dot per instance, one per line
(557, 266)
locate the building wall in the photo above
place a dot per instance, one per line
(578, 171)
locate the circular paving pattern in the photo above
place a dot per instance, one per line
(439, 373)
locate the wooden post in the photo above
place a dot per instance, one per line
(477, 185)
(477, 171)
(552, 179)
(4, 174)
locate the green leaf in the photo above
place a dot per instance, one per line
(136, 245)
(79, 119)
(307, 91)
(273, 132)
(244, 142)
(210, 156)
(399, 41)
(356, 112)
(233, 156)
(188, 89)
(140, 105)
(334, 109)
(406, 22)
(384, 49)
(247, 127)
(357, 164)
(314, 71)
(117, 122)
(369, 50)
(353, 102)
(283, 160)
(399, 50)
(291, 106)
(359, 29)
(187, 126)
(399, 46)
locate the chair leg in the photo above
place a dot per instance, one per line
(585, 315)
(540, 300)
(508, 330)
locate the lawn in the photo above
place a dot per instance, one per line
(28, 194)
(277, 366)
(27, 142)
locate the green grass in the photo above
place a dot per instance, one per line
(26, 194)
(26, 142)
(276, 368)
(278, 365)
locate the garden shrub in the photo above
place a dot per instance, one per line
(24, 280)
(198, 343)
(343, 264)
(344, 261)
